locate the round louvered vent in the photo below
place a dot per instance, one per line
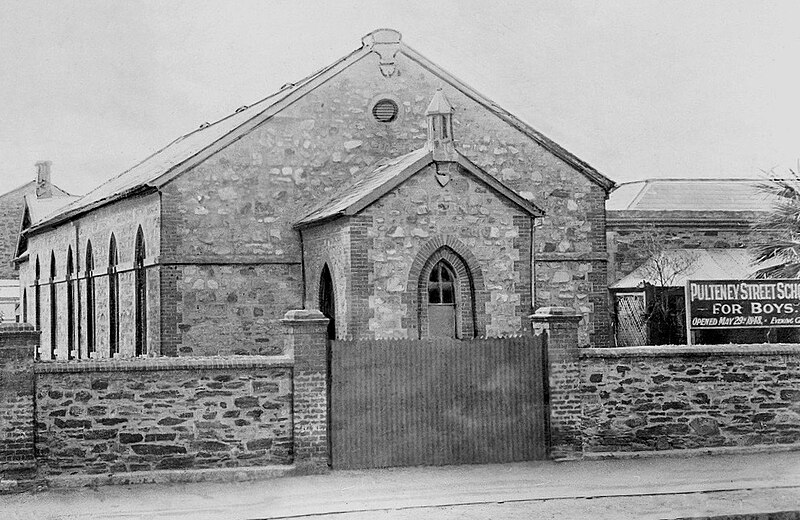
(385, 111)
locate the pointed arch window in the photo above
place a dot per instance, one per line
(140, 282)
(113, 298)
(327, 303)
(25, 305)
(445, 296)
(23, 237)
(90, 313)
(442, 300)
(53, 306)
(70, 306)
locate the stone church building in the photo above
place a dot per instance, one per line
(380, 189)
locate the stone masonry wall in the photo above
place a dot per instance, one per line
(239, 205)
(123, 220)
(11, 207)
(627, 242)
(234, 309)
(149, 414)
(420, 210)
(662, 398)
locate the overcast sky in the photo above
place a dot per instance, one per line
(637, 89)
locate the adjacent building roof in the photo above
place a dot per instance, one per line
(680, 265)
(40, 209)
(391, 174)
(190, 149)
(689, 195)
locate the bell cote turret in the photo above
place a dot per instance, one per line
(440, 128)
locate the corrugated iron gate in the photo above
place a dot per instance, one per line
(437, 401)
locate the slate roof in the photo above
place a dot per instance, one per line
(689, 195)
(372, 186)
(693, 264)
(188, 150)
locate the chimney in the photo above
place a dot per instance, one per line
(440, 128)
(44, 188)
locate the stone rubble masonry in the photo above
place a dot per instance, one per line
(239, 205)
(123, 220)
(11, 207)
(703, 396)
(127, 415)
(17, 344)
(484, 237)
(628, 235)
(560, 328)
(306, 337)
(234, 308)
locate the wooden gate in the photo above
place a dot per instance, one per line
(438, 401)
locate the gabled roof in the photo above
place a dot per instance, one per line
(689, 195)
(387, 176)
(40, 209)
(190, 149)
(30, 187)
(36, 210)
(680, 265)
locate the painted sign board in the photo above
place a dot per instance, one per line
(732, 304)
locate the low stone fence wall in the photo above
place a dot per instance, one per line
(683, 397)
(113, 420)
(163, 413)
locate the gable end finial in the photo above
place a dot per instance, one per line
(386, 44)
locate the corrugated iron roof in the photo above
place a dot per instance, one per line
(680, 265)
(182, 149)
(366, 186)
(40, 209)
(180, 152)
(375, 184)
(690, 195)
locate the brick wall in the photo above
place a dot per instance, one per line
(148, 414)
(17, 344)
(661, 398)
(329, 244)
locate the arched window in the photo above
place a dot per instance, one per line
(445, 296)
(327, 303)
(140, 282)
(53, 306)
(70, 307)
(23, 237)
(113, 298)
(90, 327)
(37, 298)
(442, 300)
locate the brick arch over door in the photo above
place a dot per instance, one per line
(471, 320)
